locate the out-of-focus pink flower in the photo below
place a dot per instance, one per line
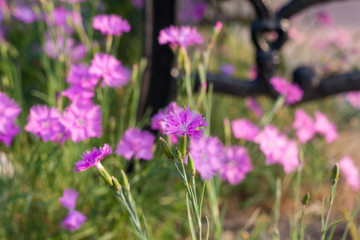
(304, 126)
(107, 67)
(110, 24)
(324, 18)
(208, 154)
(157, 121)
(340, 38)
(218, 26)
(183, 36)
(25, 14)
(92, 158)
(73, 220)
(244, 129)
(137, 143)
(46, 123)
(9, 111)
(295, 35)
(191, 11)
(68, 199)
(64, 48)
(325, 127)
(291, 92)
(64, 19)
(182, 121)
(83, 120)
(354, 99)
(278, 148)
(139, 4)
(235, 165)
(253, 105)
(351, 172)
(227, 69)
(72, 1)
(253, 73)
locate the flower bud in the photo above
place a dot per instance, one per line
(191, 165)
(116, 186)
(335, 174)
(104, 174)
(183, 147)
(306, 198)
(125, 182)
(179, 155)
(166, 148)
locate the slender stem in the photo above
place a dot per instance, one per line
(275, 234)
(302, 229)
(269, 115)
(297, 193)
(109, 40)
(332, 196)
(187, 68)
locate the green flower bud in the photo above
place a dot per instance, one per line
(166, 148)
(124, 181)
(191, 165)
(116, 186)
(183, 143)
(179, 155)
(105, 175)
(335, 174)
(306, 198)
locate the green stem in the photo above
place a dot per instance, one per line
(332, 196)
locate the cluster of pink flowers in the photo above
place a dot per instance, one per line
(351, 172)
(278, 148)
(136, 143)
(354, 99)
(211, 157)
(74, 219)
(110, 24)
(291, 92)
(180, 36)
(9, 111)
(61, 47)
(306, 127)
(244, 129)
(63, 19)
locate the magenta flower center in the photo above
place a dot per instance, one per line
(81, 122)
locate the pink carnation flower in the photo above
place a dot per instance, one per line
(25, 14)
(110, 69)
(208, 154)
(278, 148)
(92, 158)
(68, 199)
(325, 127)
(45, 122)
(254, 106)
(350, 172)
(291, 92)
(64, 19)
(354, 99)
(137, 143)
(157, 121)
(83, 120)
(182, 121)
(9, 111)
(182, 36)
(235, 165)
(64, 48)
(110, 24)
(324, 18)
(244, 129)
(73, 220)
(304, 126)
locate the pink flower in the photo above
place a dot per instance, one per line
(9, 111)
(296, 35)
(291, 92)
(73, 220)
(191, 11)
(137, 143)
(110, 69)
(83, 120)
(45, 122)
(278, 148)
(227, 69)
(182, 36)
(64, 48)
(184, 122)
(253, 72)
(93, 158)
(350, 172)
(325, 127)
(340, 38)
(72, 1)
(208, 154)
(244, 129)
(25, 14)
(110, 24)
(304, 126)
(236, 165)
(64, 19)
(138, 4)
(324, 18)
(157, 121)
(68, 199)
(253, 105)
(354, 99)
